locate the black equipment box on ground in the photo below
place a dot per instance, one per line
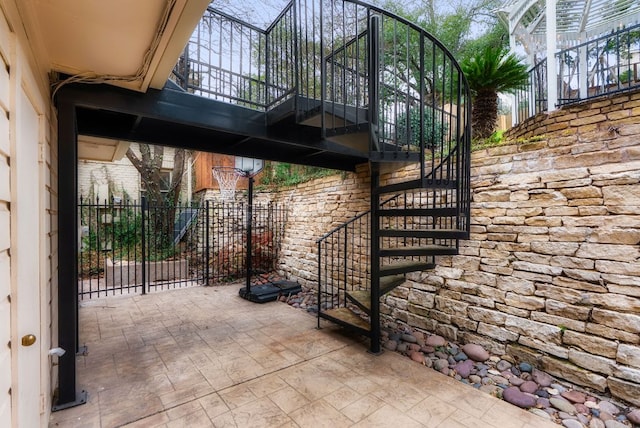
(270, 291)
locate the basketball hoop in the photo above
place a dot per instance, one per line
(227, 179)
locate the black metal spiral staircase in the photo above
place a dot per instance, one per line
(346, 76)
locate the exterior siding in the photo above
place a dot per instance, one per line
(20, 76)
(5, 230)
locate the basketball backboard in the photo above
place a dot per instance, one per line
(249, 166)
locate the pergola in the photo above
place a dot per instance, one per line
(544, 27)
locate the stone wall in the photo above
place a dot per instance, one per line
(551, 274)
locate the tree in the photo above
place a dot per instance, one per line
(492, 71)
(160, 193)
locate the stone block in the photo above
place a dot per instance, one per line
(616, 236)
(543, 221)
(591, 344)
(612, 333)
(492, 196)
(555, 248)
(518, 285)
(616, 302)
(629, 355)
(537, 268)
(569, 186)
(572, 373)
(499, 333)
(559, 293)
(564, 175)
(618, 268)
(628, 391)
(621, 253)
(578, 285)
(624, 321)
(544, 332)
(418, 310)
(543, 346)
(421, 322)
(562, 309)
(448, 331)
(562, 322)
(421, 298)
(627, 373)
(450, 306)
(628, 290)
(479, 301)
(524, 354)
(572, 262)
(486, 316)
(524, 302)
(561, 211)
(463, 322)
(522, 313)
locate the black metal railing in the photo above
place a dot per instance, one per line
(343, 262)
(606, 65)
(395, 78)
(532, 99)
(137, 247)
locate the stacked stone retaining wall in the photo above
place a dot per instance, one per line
(551, 273)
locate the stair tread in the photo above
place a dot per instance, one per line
(419, 250)
(388, 283)
(347, 316)
(405, 266)
(425, 233)
(362, 298)
(417, 184)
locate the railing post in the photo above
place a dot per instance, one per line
(248, 260)
(206, 243)
(319, 281)
(143, 210)
(374, 80)
(375, 261)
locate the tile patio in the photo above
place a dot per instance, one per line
(202, 357)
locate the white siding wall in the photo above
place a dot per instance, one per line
(5, 241)
(21, 75)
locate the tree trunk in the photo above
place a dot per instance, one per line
(162, 208)
(484, 114)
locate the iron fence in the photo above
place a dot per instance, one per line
(606, 65)
(136, 247)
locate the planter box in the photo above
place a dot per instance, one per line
(130, 273)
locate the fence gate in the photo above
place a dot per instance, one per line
(138, 247)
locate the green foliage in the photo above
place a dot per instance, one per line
(284, 174)
(492, 71)
(495, 69)
(495, 139)
(408, 127)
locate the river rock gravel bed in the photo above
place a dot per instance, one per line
(518, 383)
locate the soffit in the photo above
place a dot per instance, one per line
(137, 42)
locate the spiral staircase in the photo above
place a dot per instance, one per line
(342, 76)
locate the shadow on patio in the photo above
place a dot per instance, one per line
(203, 356)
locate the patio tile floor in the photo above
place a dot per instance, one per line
(202, 357)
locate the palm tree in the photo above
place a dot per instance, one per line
(491, 71)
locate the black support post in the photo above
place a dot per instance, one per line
(68, 396)
(375, 261)
(374, 88)
(249, 244)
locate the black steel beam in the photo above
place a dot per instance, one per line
(180, 119)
